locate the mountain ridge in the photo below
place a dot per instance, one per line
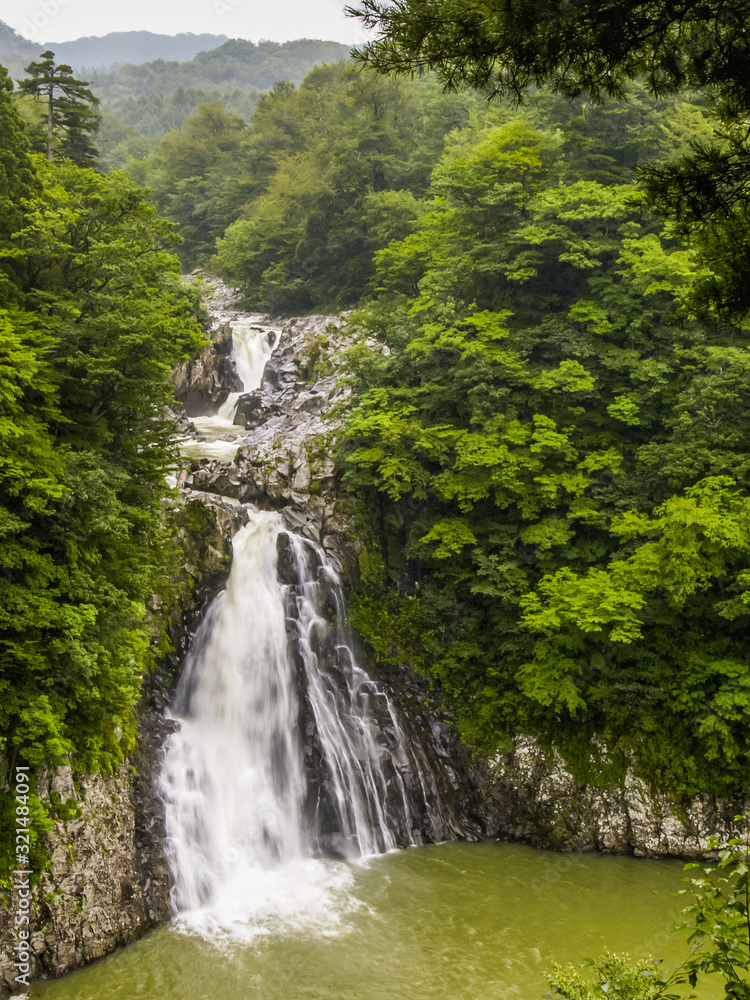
(116, 48)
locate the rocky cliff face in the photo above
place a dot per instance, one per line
(283, 461)
(202, 384)
(532, 798)
(108, 880)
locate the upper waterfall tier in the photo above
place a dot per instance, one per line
(217, 435)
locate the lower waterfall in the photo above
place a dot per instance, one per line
(270, 663)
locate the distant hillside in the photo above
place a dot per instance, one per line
(11, 43)
(148, 96)
(132, 47)
(154, 97)
(111, 50)
(235, 64)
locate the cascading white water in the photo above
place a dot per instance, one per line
(342, 696)
(232, 772)
(252, 345)
(242, 831)
(233, 779)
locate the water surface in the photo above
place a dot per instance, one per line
(451, 922)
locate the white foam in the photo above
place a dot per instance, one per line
(304, 895)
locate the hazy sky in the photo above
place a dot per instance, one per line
(278, 20)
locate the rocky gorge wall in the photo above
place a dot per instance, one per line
(108, 881)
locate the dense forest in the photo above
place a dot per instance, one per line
(555, 436)
(537, 224)
(93, 318)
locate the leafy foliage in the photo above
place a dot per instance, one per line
(324, 175)
(614, 977)
(337, 168)
(91, 359)
(198, 176)
(720, 915)
(552, 447)
(94, 319)
(597, 48)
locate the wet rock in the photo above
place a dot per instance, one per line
(285, 565)
(182, 421)
(250, 410)
(531, 797)
(91, 899)
(203, 383)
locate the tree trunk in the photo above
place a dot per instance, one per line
(49, 123)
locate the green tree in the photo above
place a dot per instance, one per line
(93, 319)
(198, 175)
(88, 378)
(544, 383)
(597, 48)
(18, 182)
(577, 47)
(71, 117)
(341, 163)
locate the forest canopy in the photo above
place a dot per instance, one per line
(553, 438)
(548, 446)
(547, 437)
(93, 319)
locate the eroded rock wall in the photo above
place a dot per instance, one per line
(530, 796)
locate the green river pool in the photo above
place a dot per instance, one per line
(448, 922)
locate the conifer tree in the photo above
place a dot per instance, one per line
(17, 181)
(72, 119)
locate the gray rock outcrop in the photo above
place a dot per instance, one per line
(533, 798)
(204, 382)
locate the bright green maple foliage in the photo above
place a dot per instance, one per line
(556, 447)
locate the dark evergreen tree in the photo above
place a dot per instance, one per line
(17, 181)
(578, 46)
(71, 116)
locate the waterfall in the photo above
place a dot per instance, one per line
(287, 759)
(342, 698)
(240, 841)
(232, 773)
(252, 346)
